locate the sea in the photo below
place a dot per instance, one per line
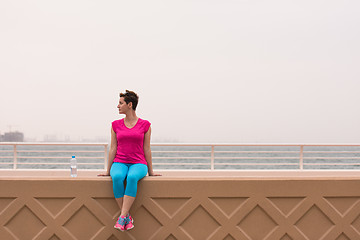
(189, 157)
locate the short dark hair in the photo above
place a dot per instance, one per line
(130, 96)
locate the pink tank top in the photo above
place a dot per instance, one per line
(130, 141)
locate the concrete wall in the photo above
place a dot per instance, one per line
(183, 207)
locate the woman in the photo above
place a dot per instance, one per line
(129, 156)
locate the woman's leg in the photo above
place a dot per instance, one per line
(118, 174)
(135, 173)
(120, 202)
(127, 203)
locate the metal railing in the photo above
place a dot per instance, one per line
(261, 156)
(52, 155)
(188, 156)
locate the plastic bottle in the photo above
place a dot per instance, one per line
(73, 167)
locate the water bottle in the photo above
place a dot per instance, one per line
(73, 167)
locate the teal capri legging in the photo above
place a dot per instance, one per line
(132, 173)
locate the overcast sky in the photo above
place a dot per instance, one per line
(206, 71)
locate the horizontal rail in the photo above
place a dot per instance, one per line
(28, 151)
(51, 144)
(257, 158)
(258, 164)
(331, 158)
(53, 163)
(256, 151)
(331, 164)
(181, 151)
(181, 164)
(183, 157)
(259, 144)
(29, 157)
(332, 152)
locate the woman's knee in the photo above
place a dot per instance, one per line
(132, 178)
(118, 177)
(137, 172)
(135, 176)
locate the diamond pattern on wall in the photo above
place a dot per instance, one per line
(200, 224)
(18, 226)
(54, 205)
(228, 205)
(281, 210)
(286, 237)
(356, 223)
(314, 223)
(112, 237)
(170, 205)
(4, 203)
(171, 237)
(54, 237)
(256, 217)
(286, 204)
(342, 237)
(145, 225)
(89, 226)
(109, 205)
(229, 237)
(342, 204)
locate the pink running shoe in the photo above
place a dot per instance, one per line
(129, 216)
(129, 222)
(121, 223)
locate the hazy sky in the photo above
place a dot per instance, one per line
(206, 71)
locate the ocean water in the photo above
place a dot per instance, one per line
(189, 157)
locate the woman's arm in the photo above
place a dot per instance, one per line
(147, 151)
(112, 153)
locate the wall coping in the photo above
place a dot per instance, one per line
(188, 175)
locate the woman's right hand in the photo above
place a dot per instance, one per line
(104, 174)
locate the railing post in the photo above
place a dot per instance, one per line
(212, 163)
(301, 161)
(105, 157)
(15, 157)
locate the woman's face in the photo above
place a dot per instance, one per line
(122, 106)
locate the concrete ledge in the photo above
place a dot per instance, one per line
(257, 174)
(184, 205)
